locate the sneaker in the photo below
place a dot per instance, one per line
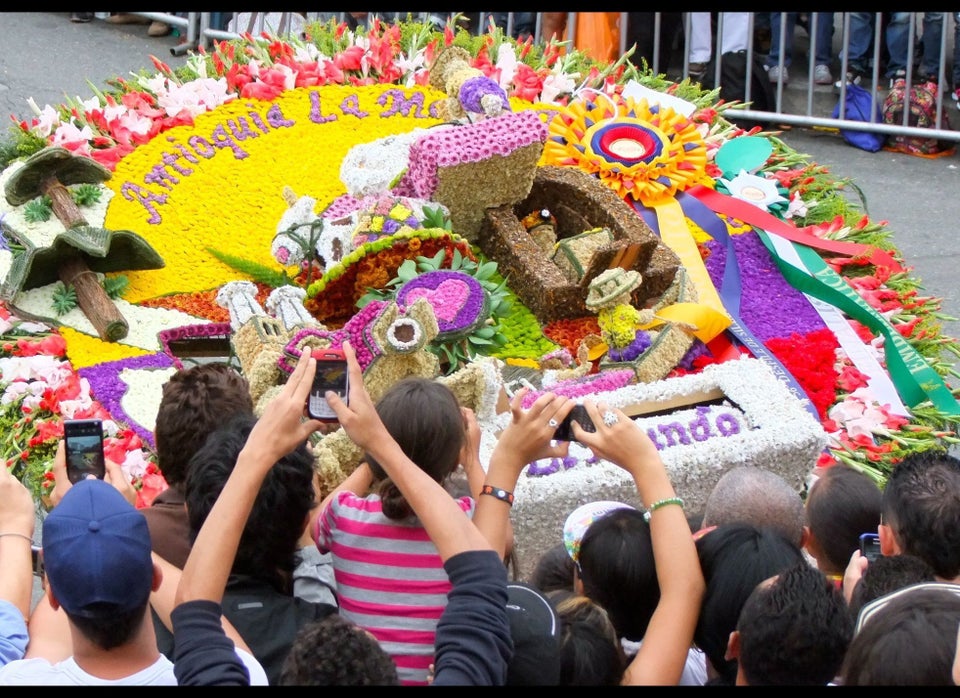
(81, 17)
(776, 74)
(899, 75)
(822, 75)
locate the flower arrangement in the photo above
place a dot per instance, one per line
(351, 84)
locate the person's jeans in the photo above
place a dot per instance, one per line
(898, 37)
(859, 40)
(823, 43)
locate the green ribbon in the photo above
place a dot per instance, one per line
(914, 379)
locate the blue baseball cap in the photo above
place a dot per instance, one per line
(96, 550)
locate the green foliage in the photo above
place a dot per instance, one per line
(39, 210)
(86, 194)
(436, 218)
(260, 273)
(115, 286)
(64, 299)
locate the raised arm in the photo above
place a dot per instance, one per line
(278, 432)
(527, 438)
(669, 635)
(17, 518)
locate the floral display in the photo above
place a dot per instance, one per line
(805, 316)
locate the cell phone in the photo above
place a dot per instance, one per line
(332, 374)
(83, 439)
(579, 414)
(870, 546)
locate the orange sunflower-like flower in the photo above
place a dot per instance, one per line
(646, 151)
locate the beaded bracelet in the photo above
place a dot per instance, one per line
(661, 503)
(19, 535)
(498, 493)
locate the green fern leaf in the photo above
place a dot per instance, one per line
(38, 211)
(86, 194)
(64, 299)
(260, 273)
(115, 286)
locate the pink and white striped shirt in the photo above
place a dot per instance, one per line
(390, 578)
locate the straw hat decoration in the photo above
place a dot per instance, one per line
(610, 285)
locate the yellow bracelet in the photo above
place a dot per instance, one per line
(661, 503)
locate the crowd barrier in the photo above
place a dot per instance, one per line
(799, 103)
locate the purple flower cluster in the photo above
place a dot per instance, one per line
(630, 352)
(769, 306)
(586, 386)
(474, 89)
(450, 318)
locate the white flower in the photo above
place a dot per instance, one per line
(759, 191)
(135, 464)
(69, 133)
(506, 64)
(308, 53)
(196, 96)
(797, 206)
(556, 84)
(411, 65)
(47, 119)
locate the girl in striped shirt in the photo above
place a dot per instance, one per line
(390, 577)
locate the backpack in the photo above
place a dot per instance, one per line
(857, 103)
(923, 113)
(733, 81)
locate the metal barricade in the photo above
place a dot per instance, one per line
(800, 102)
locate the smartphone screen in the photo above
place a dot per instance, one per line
(332, 374)
(870, 546)
(83, 440)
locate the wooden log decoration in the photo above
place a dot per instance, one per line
(73, 270)
(48, 172)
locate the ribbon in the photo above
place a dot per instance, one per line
(762, 219)
(708, 315)
(878, 380)
(915, 380)
(730, 292)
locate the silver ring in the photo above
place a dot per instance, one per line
(610, 418)
(553, 423)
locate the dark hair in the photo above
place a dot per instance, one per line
(590, 651)
(617, 569)
(113, 629)
(554, 570)
(842, 504)
(336, 652)
(269, 543)
(888, 573)
(794, 630)
(734, 558)
(921, 504)
(424, 418)
(912, 641)
(748, 494)
(195, 401)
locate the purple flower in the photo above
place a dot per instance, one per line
(109, 390)
(640, 343)
(769, 306)
(474, 89)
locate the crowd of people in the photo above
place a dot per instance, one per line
(241, 574)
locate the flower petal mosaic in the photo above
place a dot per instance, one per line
(276, 163)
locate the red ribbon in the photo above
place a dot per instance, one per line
(757, 217)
